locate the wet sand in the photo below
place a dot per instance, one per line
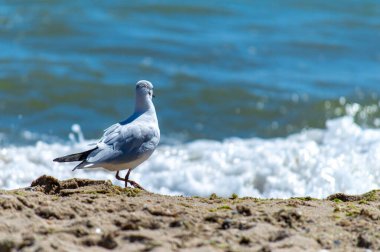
(89, 215)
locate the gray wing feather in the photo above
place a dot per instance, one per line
(120, 143)
(111, 129)
(111, 133)
(102, 155)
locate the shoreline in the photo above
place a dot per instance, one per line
(81, 214)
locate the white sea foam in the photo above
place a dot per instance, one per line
(341, 158)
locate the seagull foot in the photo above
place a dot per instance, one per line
(134, 184)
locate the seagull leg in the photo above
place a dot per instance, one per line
(118, 177)
(126, 178)
(133, 183)
(122, 179)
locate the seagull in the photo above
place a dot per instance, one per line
(126, 144)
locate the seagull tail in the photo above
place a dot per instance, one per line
(81, 165)
(81, 156)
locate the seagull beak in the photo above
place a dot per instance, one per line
(153, 96)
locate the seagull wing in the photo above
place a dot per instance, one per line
(120, 143)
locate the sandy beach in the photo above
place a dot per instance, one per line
(79, 215)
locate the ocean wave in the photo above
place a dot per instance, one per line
(343, 157)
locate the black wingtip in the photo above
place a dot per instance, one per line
(75, 157)
(60, 159)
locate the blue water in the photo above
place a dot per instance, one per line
(222, 70)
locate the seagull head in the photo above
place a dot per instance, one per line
(144, 88)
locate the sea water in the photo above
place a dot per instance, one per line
(267, 99)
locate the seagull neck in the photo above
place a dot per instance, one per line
(143, 104)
